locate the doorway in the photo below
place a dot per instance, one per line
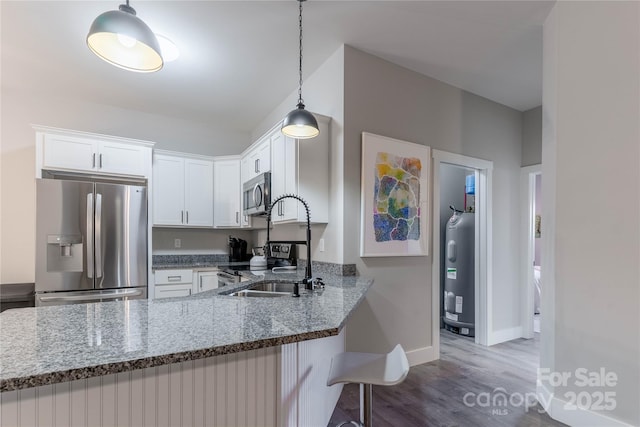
(482, 171)
(532, 229)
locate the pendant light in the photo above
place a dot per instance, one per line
(300, 123)
(124, 40)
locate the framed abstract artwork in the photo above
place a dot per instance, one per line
(394, 197)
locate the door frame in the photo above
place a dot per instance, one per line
(527, 246)
(483, 245)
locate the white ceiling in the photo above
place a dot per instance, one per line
(239, 58)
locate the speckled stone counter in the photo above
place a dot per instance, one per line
(47, 345)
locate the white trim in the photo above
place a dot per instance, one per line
(91, 135)
(556, 409)
(504, 335)
(187, 155)
(484, 246)
(527, 239)
(422, 355)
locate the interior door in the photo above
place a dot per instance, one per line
(121, 236)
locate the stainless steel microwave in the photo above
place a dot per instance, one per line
(256, 195)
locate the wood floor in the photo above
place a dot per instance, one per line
(434, 394)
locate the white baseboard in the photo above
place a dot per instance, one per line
(421, 355)
(556, 408)
(503, 335)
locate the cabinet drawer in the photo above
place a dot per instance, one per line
(170, 277)
(172, 291)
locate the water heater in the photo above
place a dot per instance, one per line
(459, 274)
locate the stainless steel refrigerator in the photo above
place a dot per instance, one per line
(91, 241)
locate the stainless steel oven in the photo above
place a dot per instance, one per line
(256, 195)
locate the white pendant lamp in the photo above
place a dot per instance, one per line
(300, 123)
(124, 40)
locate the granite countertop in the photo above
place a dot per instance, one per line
(47, 345)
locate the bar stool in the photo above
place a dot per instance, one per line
(368, 369)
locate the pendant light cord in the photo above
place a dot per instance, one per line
(300, 101)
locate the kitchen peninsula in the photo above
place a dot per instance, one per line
(208, 359)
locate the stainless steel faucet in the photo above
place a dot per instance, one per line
(308, 277)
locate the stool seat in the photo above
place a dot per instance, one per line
(369, 368)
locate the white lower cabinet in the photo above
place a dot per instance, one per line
(205, 280)
(173, 283)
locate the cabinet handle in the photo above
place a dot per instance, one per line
(237, 217)
(174, 278)
(100, 161)
(187, 217)
(93, 160)
(280, 210)
(255, 165)
(200, 282)
(182, 217)
(258, 160)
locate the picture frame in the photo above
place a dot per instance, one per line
(395, 180)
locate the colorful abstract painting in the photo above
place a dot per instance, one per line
(396, 195)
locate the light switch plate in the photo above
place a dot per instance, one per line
(177, 243)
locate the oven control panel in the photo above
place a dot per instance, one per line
(281, 250)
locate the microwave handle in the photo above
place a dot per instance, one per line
(257, 195)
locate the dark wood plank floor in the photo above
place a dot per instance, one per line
(433, 395)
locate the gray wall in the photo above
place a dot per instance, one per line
(389, 100)
(532, 137)
(590, 162)
(20, 109)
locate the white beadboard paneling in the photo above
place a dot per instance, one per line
(109, 404)
(9, 408)
(199, 392)
(93, 401)
(175, 394)
(137, 398)
(288, 414)
(242, 389)
(44, 406)
(123, 399)
(78, 399)
(27, 407)
(62, 404)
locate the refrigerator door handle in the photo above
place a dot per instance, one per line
(98, 237)
(90, 235)
(110, 295)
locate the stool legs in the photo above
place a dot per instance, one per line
(366, 407)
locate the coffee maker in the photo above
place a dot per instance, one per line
(237, 249)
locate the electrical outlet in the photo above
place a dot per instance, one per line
(321, 245)
(177, 243)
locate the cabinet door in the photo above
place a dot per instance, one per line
(226, 194)
(207, 280)
(126, 159)
(69, 152)
(168, 190)
(263, 155)
(284, 177)
(198, 193)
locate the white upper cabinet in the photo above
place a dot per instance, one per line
(182, 191)
(73, 151)
(256, 159)
(226, 193)
(301, 167)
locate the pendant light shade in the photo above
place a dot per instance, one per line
(124, 40)
(300, 123)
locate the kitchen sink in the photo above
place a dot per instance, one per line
(266, 290)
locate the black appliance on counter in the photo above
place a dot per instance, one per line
(237, 249)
